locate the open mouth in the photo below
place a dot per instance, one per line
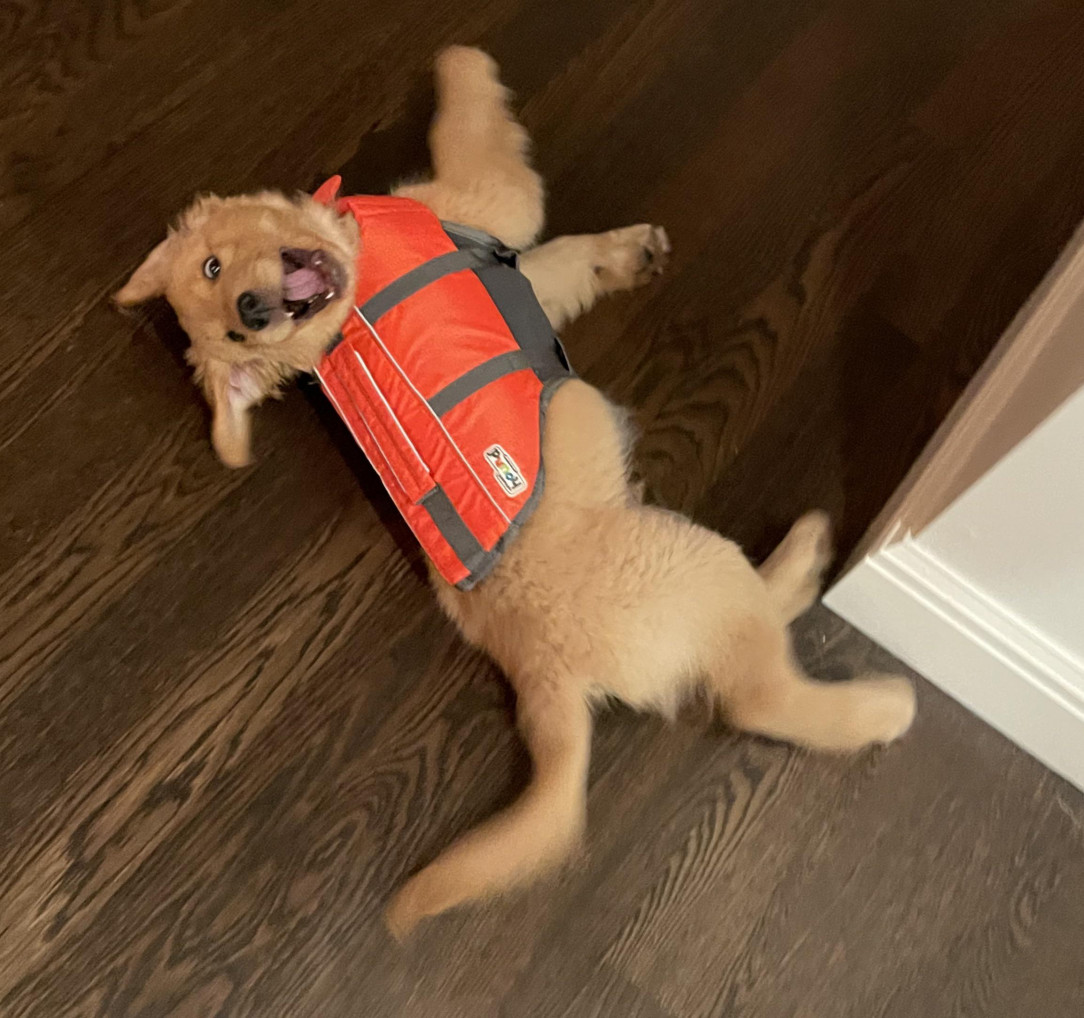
(310, 281)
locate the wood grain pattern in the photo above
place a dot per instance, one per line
(231, 718)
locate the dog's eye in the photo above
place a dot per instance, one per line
(212, 267)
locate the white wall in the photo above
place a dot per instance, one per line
(1017, 535)
(987, 602)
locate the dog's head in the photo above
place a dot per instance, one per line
(261, 284)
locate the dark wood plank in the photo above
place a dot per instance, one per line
(231, 718)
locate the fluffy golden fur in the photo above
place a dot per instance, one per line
(600, 595)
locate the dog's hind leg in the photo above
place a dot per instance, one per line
(794, 570)
(762, 690)
(482, 176)
(570, 274)
(534, 834)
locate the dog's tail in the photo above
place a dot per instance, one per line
(534, 834)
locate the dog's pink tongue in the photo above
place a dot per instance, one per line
(301, 284)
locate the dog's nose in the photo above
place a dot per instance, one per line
(254, 313)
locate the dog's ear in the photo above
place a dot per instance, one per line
(232, 390)
(149, 280)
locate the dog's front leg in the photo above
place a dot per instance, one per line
(482, 175)
(570, 274)
(232, 391)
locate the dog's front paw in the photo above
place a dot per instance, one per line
(631, 257)
(456, 64)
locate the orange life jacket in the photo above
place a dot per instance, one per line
(442, 374)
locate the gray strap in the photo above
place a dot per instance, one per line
(419, 278)
(451, 526)
(515, 299)
(472, 234)
(477, 378)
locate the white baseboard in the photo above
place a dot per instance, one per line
(994, 663)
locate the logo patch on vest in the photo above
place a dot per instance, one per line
(506, 471)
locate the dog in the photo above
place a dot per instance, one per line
(599, 595)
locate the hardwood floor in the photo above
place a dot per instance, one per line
(231, 718)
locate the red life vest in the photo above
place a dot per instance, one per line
(442, 374)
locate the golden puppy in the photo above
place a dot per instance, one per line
(599, 595)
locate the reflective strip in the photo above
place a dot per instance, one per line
(436, 417)
(478, 378)
(451, 526)
(350, 427)
(391, 413)
(418, 278)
